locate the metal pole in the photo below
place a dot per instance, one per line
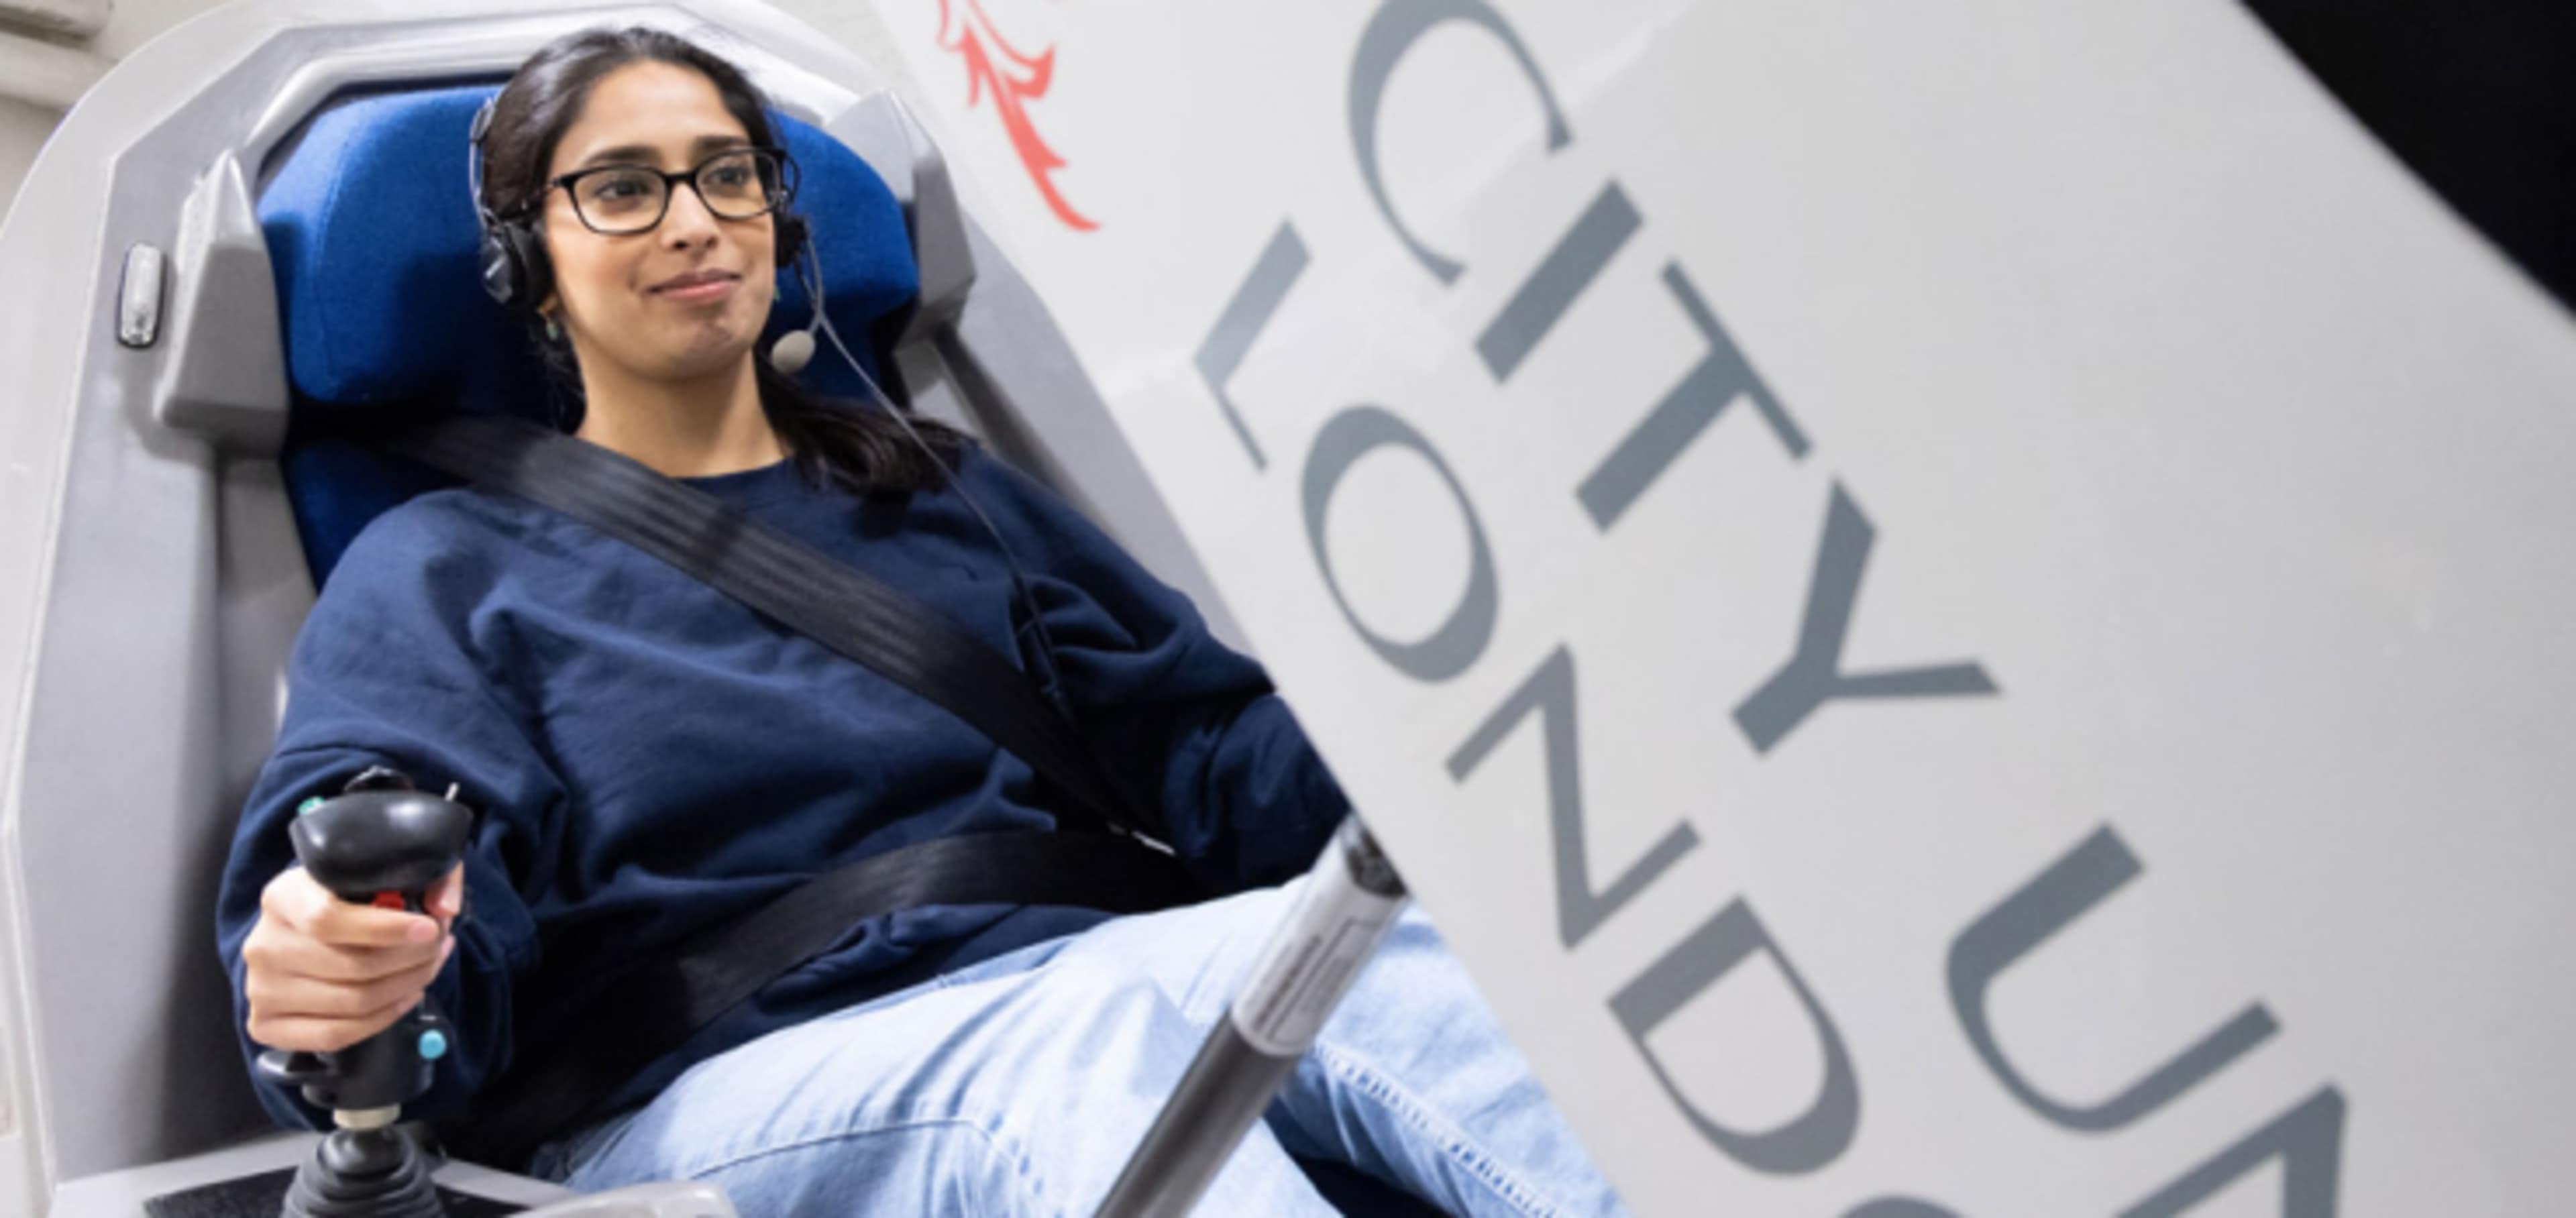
(1350, 901)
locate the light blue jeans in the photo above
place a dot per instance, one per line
(1021, 1085)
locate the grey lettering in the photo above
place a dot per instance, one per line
(1549, 693)
(1814, 675)
(1568, 269)
(2069, 888)
(1345, 438)
(1721, 376)
(1393, 31)
(1243, 320)
(2308, 1140)
(1898, 1207)
(1819, 1135)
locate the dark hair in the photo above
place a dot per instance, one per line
(852, 443)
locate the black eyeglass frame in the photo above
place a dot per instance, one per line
(779, 195)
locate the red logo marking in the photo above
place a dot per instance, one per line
(1014, 81)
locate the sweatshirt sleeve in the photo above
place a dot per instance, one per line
(1191, 729)
(385, 673)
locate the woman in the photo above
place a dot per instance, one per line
(650, 759)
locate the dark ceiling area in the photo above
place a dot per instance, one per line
(2478, 97)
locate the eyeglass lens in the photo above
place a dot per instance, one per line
(735, 185)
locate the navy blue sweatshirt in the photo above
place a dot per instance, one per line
(648, 758)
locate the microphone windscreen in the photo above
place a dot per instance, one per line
(792, 351)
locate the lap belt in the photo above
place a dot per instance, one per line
(647, 1009)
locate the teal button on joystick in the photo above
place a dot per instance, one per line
(433, 1045)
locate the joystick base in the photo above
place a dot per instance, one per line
(364, 1173)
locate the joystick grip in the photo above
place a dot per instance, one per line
(379, 843)
(368, 843)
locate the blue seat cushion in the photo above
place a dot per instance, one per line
(372, 235)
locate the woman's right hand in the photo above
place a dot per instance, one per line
(323, 974)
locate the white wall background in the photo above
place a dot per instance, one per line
(24, 127)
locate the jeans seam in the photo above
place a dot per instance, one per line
(1479, 1160)
(1020, 1169)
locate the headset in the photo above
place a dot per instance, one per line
(517, 275)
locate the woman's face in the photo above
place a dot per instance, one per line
(643, 301)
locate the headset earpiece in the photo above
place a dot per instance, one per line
(500, 265)
(511, 255)
(516, 273)
(789, 238)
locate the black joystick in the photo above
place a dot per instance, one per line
(377, 843)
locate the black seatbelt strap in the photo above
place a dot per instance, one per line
(837, 605)
(650, 1007)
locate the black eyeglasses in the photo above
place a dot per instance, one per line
(735, 184)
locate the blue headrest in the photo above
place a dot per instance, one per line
(372, 235)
